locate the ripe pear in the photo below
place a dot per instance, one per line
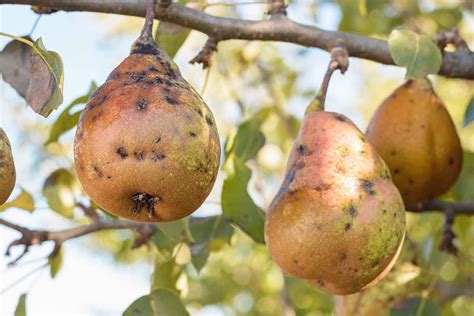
(147, 147)
(337, 221)
(7, 168)
(415, 135)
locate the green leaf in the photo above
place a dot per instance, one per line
(463, 188)
(417, 53)
(169, 234)
(21, 306)
(469, 114)
(209, 234)
(56, 263)
(66, 120)
(248, 140)
(45, 91)
(237, 205)
(417, 307)
(165, 275)
(60, 189)
(171, 37)
(200, 254)
(162, 302)
(23, 201)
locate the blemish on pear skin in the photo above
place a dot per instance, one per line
(451, 161)
(323, 187)
(153, 69)
(158, 156)
(198, 111)
(367, 186)
(302, 149)
(341, 118)
(122, 152)
(141, 103)
(209, 121)
(320, 282)
(411, 181)
(99, 172)
(386, 175)
(396, 171)
(171, 100)
(347, 226)
(158, 140)
(140, 155)
(352, 211)
(192, 134)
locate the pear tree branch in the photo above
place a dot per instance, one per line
(30, 237)
(458, 64)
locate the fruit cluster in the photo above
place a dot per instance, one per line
(147, 149)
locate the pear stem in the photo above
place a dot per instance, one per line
(146, 33)
(339, 60)
(145, 44)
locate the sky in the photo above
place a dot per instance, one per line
(90, 283)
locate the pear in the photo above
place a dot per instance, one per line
(415, 135)
(146, 146)
(7, 168)
(337, 220)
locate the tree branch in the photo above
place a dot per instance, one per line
(31, 237)
(459, 208)
(458, 64)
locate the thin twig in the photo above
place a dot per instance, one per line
(205, 55)
(276, 7)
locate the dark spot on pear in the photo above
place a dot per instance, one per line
(342, 256)
(109, 177)
(198, 111)
(375, 263)
(295, 261)
(139, 155)
(323, 187)
(302, 149)
(158, 140)
(158, 156)
(393, 153)
(122, 152)
(98, 171)
(320, 282)
(384, 211)
(386, 175)
(396, 171)
(209, 121)
(451, 161)
(347, 226)
(341, 118)
(411, 181)
(192, 134)
(153, 69)
(171, 100)
(141, 103)
(352, 211)
(367, 186)
(81, 135)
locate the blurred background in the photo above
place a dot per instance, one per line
(102, 275)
